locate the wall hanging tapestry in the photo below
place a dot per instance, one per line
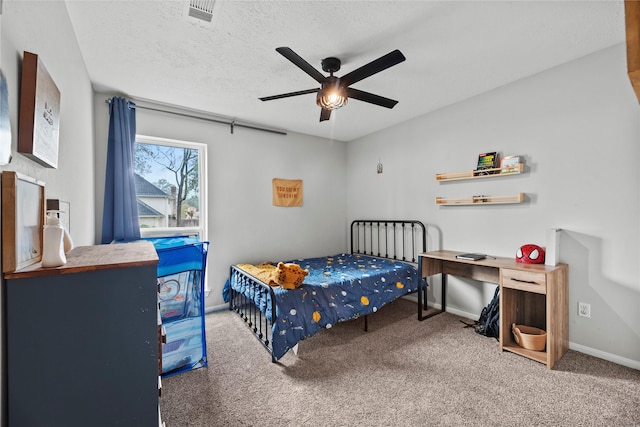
(287, 192)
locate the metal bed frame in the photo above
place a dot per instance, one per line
(399, 240)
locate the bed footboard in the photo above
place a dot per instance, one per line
(244, 304)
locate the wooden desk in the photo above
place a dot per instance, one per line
(530, 294)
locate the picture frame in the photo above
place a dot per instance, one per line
(23, 213)
(39, 120)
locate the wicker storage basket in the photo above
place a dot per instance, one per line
(529, 337)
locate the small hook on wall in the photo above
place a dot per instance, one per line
(379, 168)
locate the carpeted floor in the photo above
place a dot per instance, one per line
(400, 373)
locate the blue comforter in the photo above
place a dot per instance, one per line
(338, 288)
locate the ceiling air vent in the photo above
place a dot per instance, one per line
(201, 9)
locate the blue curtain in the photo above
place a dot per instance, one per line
(120, 215)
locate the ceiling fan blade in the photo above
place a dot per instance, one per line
(371, 98)
(287, 95)
(373, 67)
(301, 63)
(325, 114)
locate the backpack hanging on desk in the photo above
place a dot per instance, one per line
(489, 322)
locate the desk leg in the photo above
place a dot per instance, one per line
(422, 304)
(444, 292)
(422, 300)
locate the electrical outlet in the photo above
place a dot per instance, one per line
(584, 309)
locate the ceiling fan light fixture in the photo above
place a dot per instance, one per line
(331, 100)
(331, 96)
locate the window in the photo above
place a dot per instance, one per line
(171, 182)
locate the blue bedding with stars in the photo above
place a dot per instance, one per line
(338, 288)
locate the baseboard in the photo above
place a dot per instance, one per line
(437, 306)
(457, 312)
(634, 364)
(216, 308)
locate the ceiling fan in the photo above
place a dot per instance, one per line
(334, 91)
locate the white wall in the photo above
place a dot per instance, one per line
(243, 224)
(44, 29)
(578, 127)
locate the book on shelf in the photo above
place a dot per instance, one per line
(509, 164)
(471, 256)
(487, 160)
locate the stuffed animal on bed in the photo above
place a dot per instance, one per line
(288, 275)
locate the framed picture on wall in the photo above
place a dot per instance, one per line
(22, 221)
(39, 122)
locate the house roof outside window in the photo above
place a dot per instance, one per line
(146, 189)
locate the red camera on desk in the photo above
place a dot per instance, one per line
(530, 254)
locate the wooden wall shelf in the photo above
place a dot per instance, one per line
(475, 174)
(481, 200)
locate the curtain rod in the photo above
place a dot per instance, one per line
(231, 124)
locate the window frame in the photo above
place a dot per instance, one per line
(202, 230)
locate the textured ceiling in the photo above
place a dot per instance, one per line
(152, 50)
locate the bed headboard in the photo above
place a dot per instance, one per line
(395, 239)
